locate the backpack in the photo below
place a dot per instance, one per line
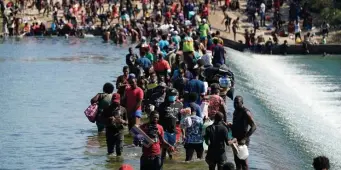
(91, 112)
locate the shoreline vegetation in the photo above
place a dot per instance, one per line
(216, 18)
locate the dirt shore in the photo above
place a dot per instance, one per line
(215, 19)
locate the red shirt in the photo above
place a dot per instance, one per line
(132, 96)
(155, 148)
(161, 65)
(168, 15)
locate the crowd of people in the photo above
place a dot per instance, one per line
(259, 15)
(180, 81)
(173, 98)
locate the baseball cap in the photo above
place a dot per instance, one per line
(116, 98)
(126, 167)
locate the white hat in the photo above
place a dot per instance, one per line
(176, 32)
(204, 20)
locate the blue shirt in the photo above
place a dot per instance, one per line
(196, 108)
(219, 55)
(53, 27)
(144, 63)
(188, 75)
(196, 86)
(194, 132)
(163, 44)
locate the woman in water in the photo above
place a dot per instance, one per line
(103, 100)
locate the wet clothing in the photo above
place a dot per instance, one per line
(191, 147)
(114, 140)
(114, 131)
(216, 137)
(150, 163)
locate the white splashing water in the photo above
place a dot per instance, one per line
(309, 104)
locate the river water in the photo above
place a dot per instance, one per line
(45, 85)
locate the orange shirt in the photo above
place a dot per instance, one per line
(161, 65)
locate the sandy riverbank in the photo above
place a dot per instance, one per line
(215, 19)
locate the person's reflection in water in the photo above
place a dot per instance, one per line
(95, 143)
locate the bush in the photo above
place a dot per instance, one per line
(333, 16)
(319, 5)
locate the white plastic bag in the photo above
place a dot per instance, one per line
(243, 152)
(206, 124)
(204, 108)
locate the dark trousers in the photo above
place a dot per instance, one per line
(191, 147)
(298, 35)
(240, 164)
(114, 140)
(216, 160)
(150, 163)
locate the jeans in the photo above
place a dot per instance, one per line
(114, 139)
(171, 139)
(150, 162)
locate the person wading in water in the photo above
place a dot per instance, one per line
(134, 97)
(216, 138)
(151, 156)
(115, 117)
(241, 133)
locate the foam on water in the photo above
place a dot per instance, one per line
(309, 104)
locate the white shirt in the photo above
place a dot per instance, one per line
(297, 28)
(262, 8)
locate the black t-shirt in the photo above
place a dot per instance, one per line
(217, 136)
(130, 59)
(169, 115)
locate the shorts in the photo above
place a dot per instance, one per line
(202, 38)
(170, 138)
(137, 113)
